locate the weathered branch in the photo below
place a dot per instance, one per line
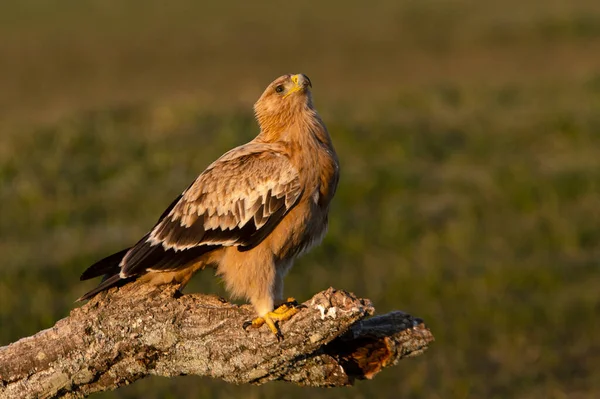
(138, 331)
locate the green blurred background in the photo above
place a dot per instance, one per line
(469, 137)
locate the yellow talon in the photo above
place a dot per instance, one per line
(282, 313)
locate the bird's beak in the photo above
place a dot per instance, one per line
(300, 81)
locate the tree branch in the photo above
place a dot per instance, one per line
(136, 331)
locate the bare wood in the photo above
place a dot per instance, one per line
(137, 331)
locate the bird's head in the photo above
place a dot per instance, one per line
(285, 96)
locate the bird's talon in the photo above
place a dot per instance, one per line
(255, 323)
(282, 309)
(282, 313)
(246, 325)
(287, 306)
(177, 294)
(290, 302)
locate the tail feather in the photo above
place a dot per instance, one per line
(110, 269)
(107, 266)
(112, 281)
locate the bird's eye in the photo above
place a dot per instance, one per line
(279, 89)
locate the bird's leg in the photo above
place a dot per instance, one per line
(290, 306)
(265, 305)
(284, 312)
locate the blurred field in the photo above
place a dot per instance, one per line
(469, 136)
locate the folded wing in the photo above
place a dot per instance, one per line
(237, 201)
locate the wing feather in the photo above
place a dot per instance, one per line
(237, 201)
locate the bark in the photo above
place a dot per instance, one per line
(137, 331)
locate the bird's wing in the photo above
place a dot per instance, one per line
(237, 201)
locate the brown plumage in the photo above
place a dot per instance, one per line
(249, 214)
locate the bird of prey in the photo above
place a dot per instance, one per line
(249, 214)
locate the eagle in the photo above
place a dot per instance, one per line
(248, 215)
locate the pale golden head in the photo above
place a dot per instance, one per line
(285, 96)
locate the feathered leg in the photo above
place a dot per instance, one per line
(285, 310)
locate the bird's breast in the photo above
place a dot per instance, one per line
(301, 229)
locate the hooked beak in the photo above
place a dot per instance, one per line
(300, 81)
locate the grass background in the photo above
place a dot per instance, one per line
(469, 137)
